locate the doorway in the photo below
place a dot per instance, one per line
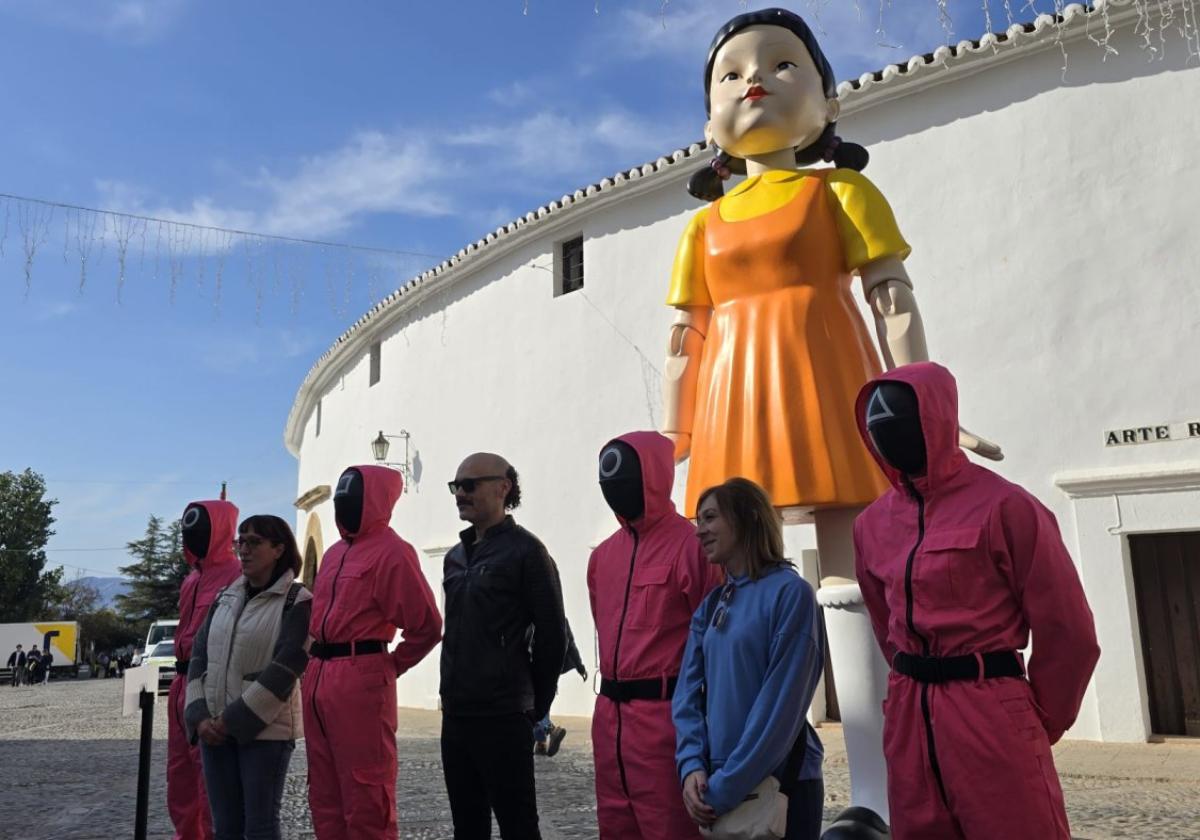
(1166, 580)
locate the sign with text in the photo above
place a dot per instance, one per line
(1159, 433)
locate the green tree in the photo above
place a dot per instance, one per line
(76, 599)
(106, 630)
(156, 574)
(25, 520)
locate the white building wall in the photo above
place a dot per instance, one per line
(1054, 233)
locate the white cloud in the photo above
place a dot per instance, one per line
(137, 21)
(857, 35)
(323, 195)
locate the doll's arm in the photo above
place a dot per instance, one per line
(680, 373)
(901, 332)
(898, 324)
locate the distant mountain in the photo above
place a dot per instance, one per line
(108, 587)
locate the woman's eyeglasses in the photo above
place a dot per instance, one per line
(468, 485)
(722, 610)
(251, 542)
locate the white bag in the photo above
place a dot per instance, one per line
(761, 816)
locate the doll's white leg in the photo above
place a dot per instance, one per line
(859, 670)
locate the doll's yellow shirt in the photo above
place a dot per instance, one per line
(865, 222)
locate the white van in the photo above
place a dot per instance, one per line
(160, 631)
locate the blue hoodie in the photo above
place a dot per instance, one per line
(759, 671)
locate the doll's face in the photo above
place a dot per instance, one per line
(766, 94)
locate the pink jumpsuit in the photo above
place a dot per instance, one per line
(369, 584)
(962, 562)
(645, 582)
(187, 802)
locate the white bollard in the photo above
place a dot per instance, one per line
(860, 674)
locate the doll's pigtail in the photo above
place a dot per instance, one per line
(708, 184)
(833, 149)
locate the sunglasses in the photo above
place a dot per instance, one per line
(468, 485)
(722, 610)
(251, 542)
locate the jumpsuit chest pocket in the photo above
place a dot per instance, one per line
(948, 567)
(351, 591)
(650, 596)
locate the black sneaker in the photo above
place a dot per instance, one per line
(554, 739)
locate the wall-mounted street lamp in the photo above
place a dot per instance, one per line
(379, 448)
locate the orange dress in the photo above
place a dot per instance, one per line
(786, 351)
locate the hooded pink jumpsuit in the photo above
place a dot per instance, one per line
(187, 802)
(958, 562)
(370, 583)
(645, 582)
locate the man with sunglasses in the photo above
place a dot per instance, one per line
(502, 652)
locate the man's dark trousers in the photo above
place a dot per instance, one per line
(488, 763)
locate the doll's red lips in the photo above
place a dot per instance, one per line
(756, 92)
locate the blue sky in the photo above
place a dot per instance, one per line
(409, 126)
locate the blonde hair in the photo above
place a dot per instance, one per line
(757, 526)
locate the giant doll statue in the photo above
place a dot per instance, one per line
(958, 567)
(768, 352)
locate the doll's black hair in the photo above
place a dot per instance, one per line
(707, 183)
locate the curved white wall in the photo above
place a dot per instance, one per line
(1053, 226)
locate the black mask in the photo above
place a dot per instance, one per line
(621, 480)
(348, 501)
(197, 530)
(894, 424)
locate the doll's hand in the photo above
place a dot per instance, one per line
(980, 446)
(683, 444)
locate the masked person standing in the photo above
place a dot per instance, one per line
(497, 681)
(369, 585)
(645, 581)
(957, 567)
(208, 530)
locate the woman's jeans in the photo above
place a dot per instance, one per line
(805, 806)
(245, 787)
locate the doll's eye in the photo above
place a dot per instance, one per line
(730, 76)
(785, 65)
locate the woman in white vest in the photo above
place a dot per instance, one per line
(243, 698)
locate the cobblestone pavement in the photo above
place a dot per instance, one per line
(68, 771)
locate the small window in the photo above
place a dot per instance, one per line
(375, 357)
(570, 262)
(318, 434)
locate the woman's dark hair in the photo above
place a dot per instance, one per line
(513, 500)
(757, 526)
(277, 532)
(706, 184)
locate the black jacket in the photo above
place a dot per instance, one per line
(497, 591)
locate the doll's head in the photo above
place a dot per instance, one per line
(768, 86)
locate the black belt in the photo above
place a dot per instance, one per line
(181, 666)
(940, 669)
(622, 691)
(332, 650)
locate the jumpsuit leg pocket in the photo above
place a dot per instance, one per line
(372, 808)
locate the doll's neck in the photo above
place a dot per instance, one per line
(784, 159)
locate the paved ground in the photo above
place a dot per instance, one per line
(66, 743)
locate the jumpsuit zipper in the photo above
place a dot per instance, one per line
(324, 621)
(616, 659)
(912, 627)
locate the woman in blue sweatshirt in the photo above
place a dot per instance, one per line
(753, 658)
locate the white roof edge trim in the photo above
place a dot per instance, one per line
(868, 89)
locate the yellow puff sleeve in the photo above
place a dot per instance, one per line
(865, 220)
(688, 287)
